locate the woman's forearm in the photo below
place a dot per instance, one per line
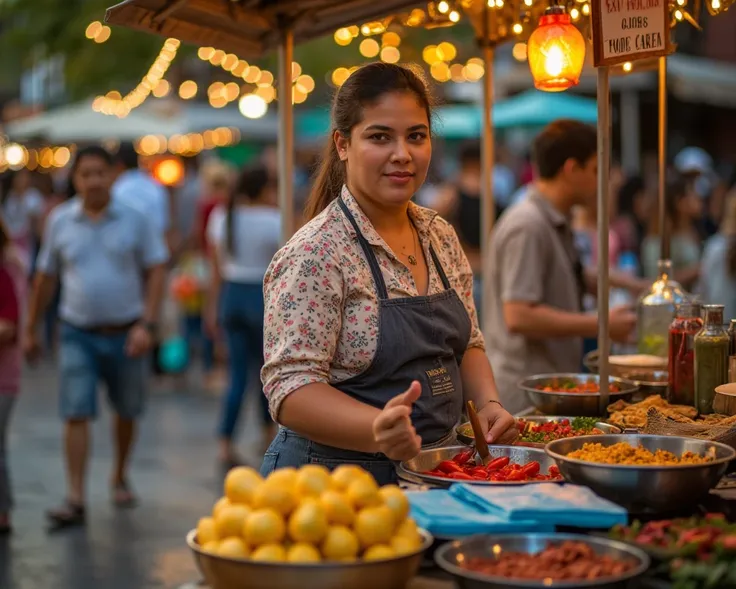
(327, 416)
(479, 385)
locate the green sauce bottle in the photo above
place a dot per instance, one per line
(711, 358)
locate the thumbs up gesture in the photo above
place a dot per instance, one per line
(393, 430)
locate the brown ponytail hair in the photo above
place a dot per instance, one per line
(364, 87)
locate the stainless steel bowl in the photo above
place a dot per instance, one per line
(577, 404)
(464, 431)
(451, 556)
(234, 573)
(645, 489)
(428, 459)
(649, 381)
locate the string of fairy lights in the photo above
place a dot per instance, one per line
(253, 87)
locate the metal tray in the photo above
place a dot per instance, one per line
(464, 431)
(450, 556)
(428, 459)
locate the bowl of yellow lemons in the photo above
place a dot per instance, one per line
(308, 528)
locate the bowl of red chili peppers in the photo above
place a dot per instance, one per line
(509, 465)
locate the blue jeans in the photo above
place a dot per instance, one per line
(194, 333)
(241, 316)
(85, 358)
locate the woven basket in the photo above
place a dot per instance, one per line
(659, 424)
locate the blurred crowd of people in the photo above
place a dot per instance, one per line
(212, 238)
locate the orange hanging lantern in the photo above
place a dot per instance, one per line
(556, 51)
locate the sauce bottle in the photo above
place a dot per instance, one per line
(684, 327)
(711, 358)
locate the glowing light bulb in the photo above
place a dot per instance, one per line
(252, 106)
(443, 7)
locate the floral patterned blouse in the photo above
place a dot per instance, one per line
(321, 305)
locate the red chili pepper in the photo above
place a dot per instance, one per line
(448, 467)
(554, 470)
(479, 471)
(498, 463)
(514, 466)
(516, 475)
(460, 476)
(463, 457)
(531, 469)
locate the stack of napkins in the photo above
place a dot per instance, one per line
(557, 505)
(445, 515)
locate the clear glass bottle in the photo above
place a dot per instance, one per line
(684, 328)
(656, 310)
(732, 337)
(711, 358)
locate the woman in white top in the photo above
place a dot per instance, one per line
(21, 207)
(244, 236)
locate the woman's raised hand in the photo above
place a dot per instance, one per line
(392, 428)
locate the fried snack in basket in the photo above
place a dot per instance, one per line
(628, 415)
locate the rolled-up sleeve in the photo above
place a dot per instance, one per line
(303, 296)
(521, 256)
(153, 250)
(48, 258)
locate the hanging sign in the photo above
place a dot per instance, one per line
(627, 30)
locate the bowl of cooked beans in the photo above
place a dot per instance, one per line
(643, 473)
(577, 395)
(541, 560)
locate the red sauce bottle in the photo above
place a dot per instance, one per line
(683, 328)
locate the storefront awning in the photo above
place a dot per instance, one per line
(248, 28)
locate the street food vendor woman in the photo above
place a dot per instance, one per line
(371, 340)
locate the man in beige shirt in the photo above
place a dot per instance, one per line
(536, 280)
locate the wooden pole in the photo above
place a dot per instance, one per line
(487, 207)
(286, 135)
(662, 159)
(604, 162)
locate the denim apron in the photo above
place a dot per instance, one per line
(419, 338)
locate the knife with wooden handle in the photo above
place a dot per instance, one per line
(480, 441)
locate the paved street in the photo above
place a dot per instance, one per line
(174, 474)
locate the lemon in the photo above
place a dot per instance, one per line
(379, 552)
(403, 545)
(264, 526)
(222, 502)
(345, 474)
(233, 548)
(396, 501)
(211, 547)
(230, 519)
(240, 483)
(337, 508)
(308, 523)
(363, 492)
(277, 496)
(269, 553)
(283, 477)
(408, 529)
(374, 525)
(340, 543)
(206, 531)
(312, 480)
(303, 552)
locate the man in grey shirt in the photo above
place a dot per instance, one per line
(110, 259)
(536, 324)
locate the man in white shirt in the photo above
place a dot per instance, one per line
(138, 189)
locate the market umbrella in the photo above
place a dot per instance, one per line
(78, 122)
(248, 27)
